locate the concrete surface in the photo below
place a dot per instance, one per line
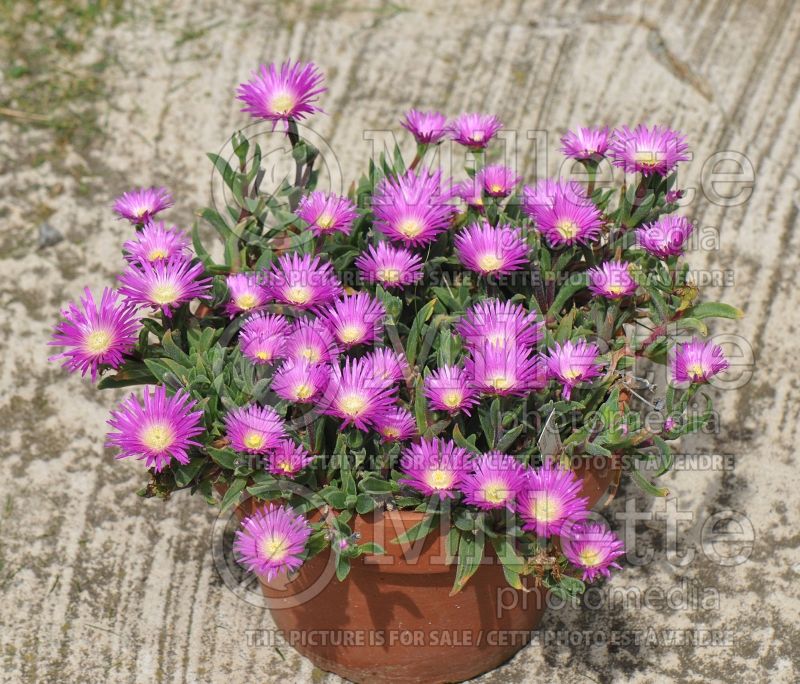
(98, 586)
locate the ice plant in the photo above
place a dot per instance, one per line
(612, 280)
(392, 267)
(413, 208)
(585, 144)
(157, 429)
(494, 481)
(471, 192)
(96, 336)
(567, 223)
(271, 541)
(594, 549)
(665, 237)
(499, 323)
(164, 285)
(327, 213)
(572, 363)
(697, 361)
(311, 341)
(288, 459)
(427, 127)
(263, 338)
(503, 370)
(551, 497)
(142, 204)
(497, 180)
(492, 250)
(648, 151)
(288, 92)
(300, 381)
(156, 242)
(302, 281)
(435, 467)
(451, 389)
(356, 396)
(474, 130)
(538, 198)
(387, 364)
(354, 319)
(396, 425)
(254, 429)
(246, 293)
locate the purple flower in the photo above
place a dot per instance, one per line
(487, 250)
(497, 180)
(434, 467)
(327, 213)
(288, 93)
(392, 267)
(665, 237)
(155, 243)
(593, 548)
(612, 280)
(96, 336)
(396, 425)
(312, 341)
(288, 459)
(272, 541)
(505, 370)
(474, 130)
(413, 208)
(246, 293)
(673, 196)
(471, 192)
(451, 389)
(158, 429)
(565, 223)
(300, 381)
(140, 205)
(538, 199)
(494, 482)
(263, 338)
(585, 143)
(354, 319)
(572, 363)
(552, 496)
(426, 127)
(499, 323)
(254, 429)
(648, 150)
(387, 364)
(164, 284)
(356, 396)
(303, 281)
(697, 361)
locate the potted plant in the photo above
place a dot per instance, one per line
(412, 394)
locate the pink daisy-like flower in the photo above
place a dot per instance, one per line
(505, 370)
(392, 267)
(263, 338)
(426, 127)
(542, 196)
(697, 361)
(387, 364)
(612, 280)
(471, 192)
(665, 237)
(158, 429)
(303, 281)
(451, 389)
(566, 223)
(474, 130)
(490, 250)
(327, 213)
(94, 336)
(164, 284)
(288, 458)
(312, 341)
(282, 94)
(272, 541)
(572, 363)
(300, 381)
(499, 323)
(246, 293)
(434, 467)
(140, 205)
(497, 180)
(552, 496)
(254, 429)
(648, 150)
(155, 242)
(413, 208)
(354, 319)
(396, 425)
(356, 396)
(593, 548)
(585, 143)
(494, 481)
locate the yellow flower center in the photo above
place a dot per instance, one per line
(567, 228)
(275, 548)
(325, 221)
(496, 339)
(496, 187)
(477, 136)
(310, 353)
(140, 211)
(648, 158)
(572, 373)
(410, 228)
(388, 275)
(391, 431)
(157, 253)
(495, 492)
(545, 508)
(253, 440)
(98, 342)
(590, 557)
(695, 371)
(303, 391)
(282, 103)
(299, 294)
(440, 479)
(157, 437)
(500, 382)
(285, 466)
(352, 404)
(489, 262)
(351, 334)
(246, 301)
(452, 398)
(615, 289)
(164, 294)
(263, 355)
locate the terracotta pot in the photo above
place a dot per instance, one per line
(393, 619)
(599, 475)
